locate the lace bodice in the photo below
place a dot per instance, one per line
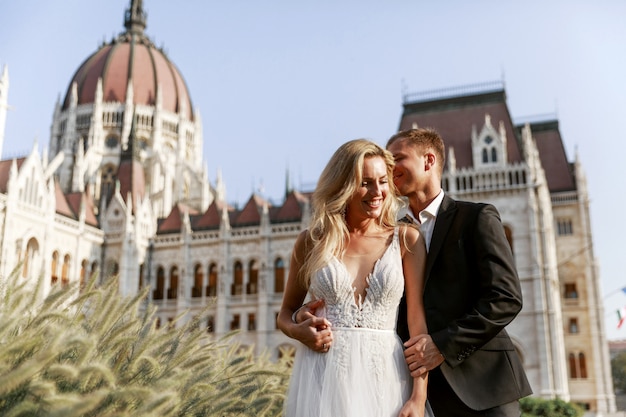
(379, 308)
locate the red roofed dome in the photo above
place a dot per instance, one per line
(132, 57)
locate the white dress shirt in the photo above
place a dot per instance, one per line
(426, 218)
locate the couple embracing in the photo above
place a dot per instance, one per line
(407, 317)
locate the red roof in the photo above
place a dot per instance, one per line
(132, 180)
(173, 222)
(75, 200)
(291, 210)
(62, 205)
(454, 117)
(5, 171)
(251, 213)
(149, 68)
(210, 219)
(553, 158)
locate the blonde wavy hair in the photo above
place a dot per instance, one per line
(328, 232)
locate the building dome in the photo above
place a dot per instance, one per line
(131, 58)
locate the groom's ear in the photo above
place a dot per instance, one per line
(430, 161)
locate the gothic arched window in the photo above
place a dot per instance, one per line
(54, 268)
(237, 288)
(582, 363)
(172, 291)
(253, 278)
(83, 272)
(32, 250)
(157, 294)
(489, 151)
(211, 289)
(573, 372)
(198, 281)
(65, 271)
(279, 275)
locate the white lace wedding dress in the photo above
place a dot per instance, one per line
(364, 373)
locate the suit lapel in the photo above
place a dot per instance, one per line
(443, 222)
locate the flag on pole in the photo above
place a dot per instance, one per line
(621, 317)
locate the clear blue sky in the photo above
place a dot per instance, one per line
(280, 84)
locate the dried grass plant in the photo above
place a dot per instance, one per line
(94, 353)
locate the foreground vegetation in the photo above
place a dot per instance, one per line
(536, 407)
(94, 353)
(99, 354)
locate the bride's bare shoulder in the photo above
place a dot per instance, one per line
(410, 236)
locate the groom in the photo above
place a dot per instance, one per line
(471, 291)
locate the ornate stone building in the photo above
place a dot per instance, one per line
(123, 190)
(544, 204)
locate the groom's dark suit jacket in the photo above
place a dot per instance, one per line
(471, 293)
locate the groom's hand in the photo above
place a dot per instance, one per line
(307, 311)
(313, 331)
(422, 355)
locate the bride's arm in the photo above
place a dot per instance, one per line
(413, 264)
(314, 332)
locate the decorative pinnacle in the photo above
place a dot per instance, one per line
(135, 18)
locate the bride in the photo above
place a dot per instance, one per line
(357, 263)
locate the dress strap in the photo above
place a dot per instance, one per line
(396, 234)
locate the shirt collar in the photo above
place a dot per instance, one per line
(433, 208)
(430, 211)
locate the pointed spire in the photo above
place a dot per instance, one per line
(130, 172)
(129, 108)
(135, 18)
(186, 221)
(225, 219)
(488, 119)
(82, 211)
(129, 153)
(451, 160)
(78, 183)
(57, 107)
(220, 187)
(44, 158)
(74, 95)
(287, 182)
(129, 205)
(265, 216)
(99, 91)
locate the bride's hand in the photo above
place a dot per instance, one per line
(317, 334)
(412, 408)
